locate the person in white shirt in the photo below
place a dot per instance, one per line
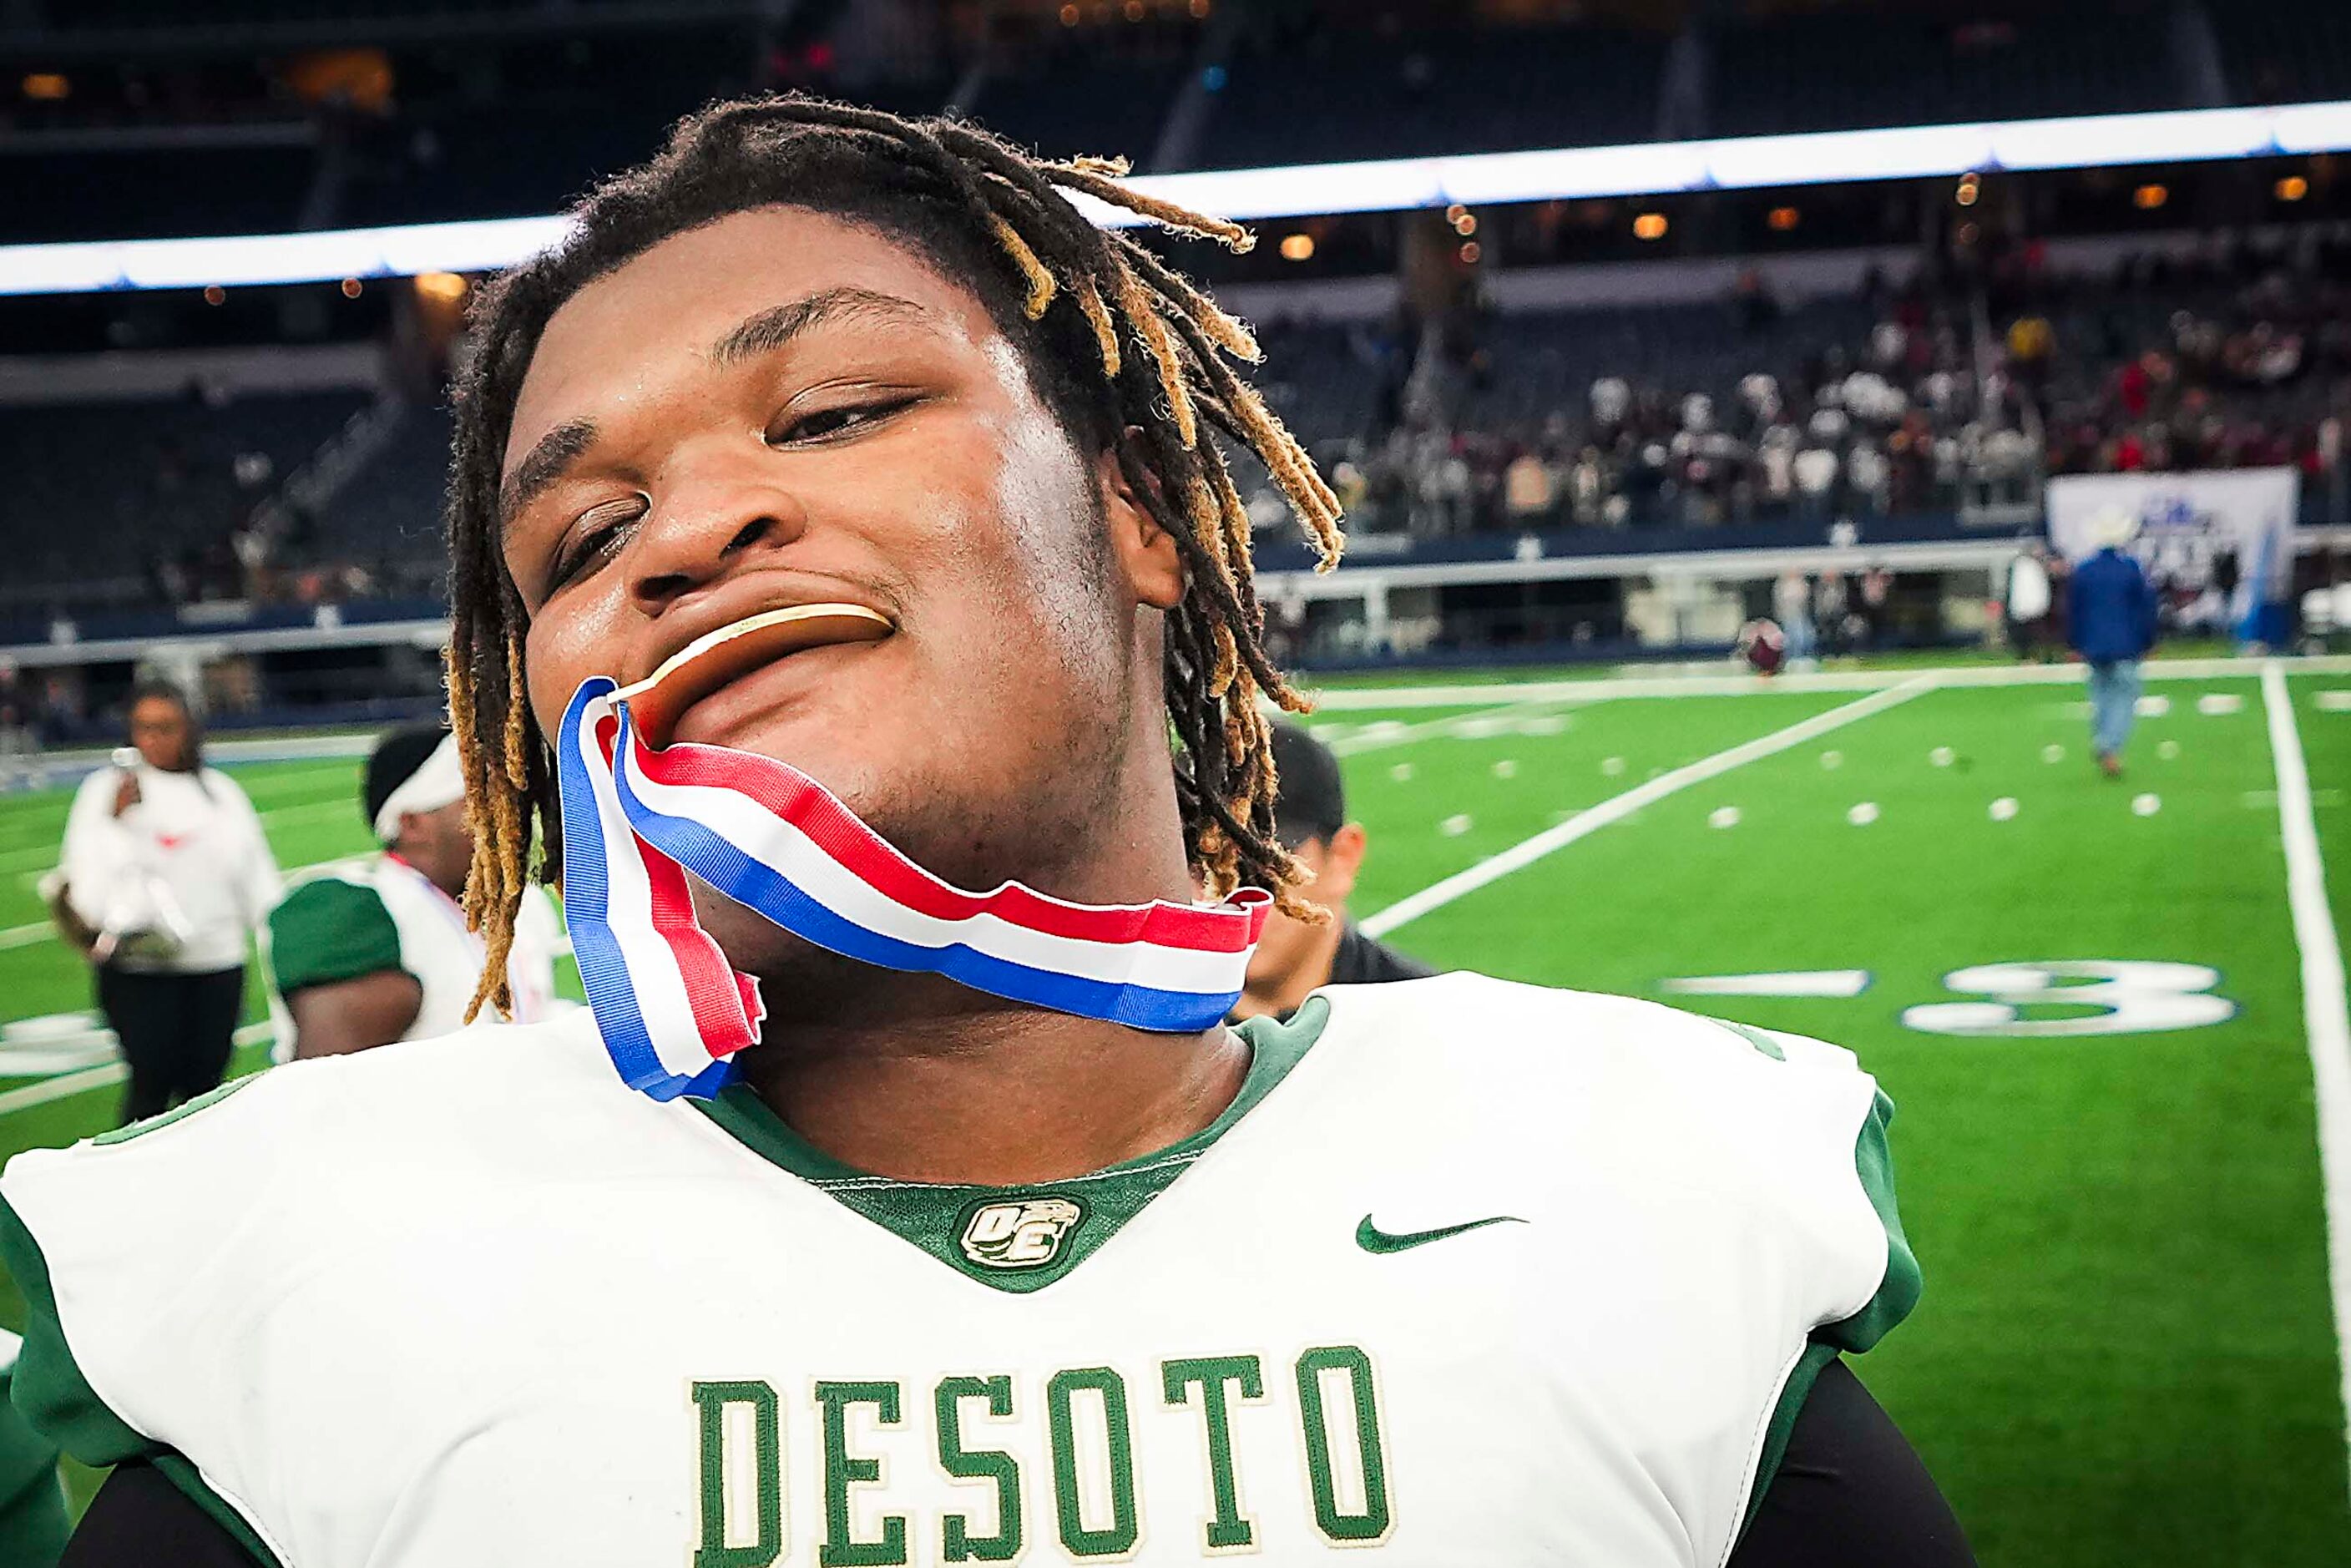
(166, 869)
(1791, 604)
(1816, 472)
(2032, 601)
(363, 954)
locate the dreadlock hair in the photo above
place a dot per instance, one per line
(1130, 357)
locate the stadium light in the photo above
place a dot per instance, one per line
(1299, 190)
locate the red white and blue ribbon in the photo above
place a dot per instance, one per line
(673, 1012)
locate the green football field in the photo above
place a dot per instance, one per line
(2086, 997)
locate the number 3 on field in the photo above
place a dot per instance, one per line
(2137, 998)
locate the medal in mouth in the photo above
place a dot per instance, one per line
(716, 658)
(640, 813)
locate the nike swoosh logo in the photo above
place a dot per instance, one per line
(1372, 1238)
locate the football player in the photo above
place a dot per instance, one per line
(364, 954)
(1296, 957)
(988, 1241)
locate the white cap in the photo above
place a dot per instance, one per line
(438, 782)
(2112, 528)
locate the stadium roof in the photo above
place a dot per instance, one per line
(1397, 185)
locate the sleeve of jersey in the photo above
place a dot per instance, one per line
(32, 1504)
(1844, 1326)
(1870, 1278)
(131, 1253)
(331, 930)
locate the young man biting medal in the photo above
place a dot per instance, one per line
(843, 533)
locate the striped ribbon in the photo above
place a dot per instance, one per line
(673, 1012)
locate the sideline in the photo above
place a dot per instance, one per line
(1616, 808)
(1454, 728)
(1342, 699)
(2326, 1019)
(66, 1085)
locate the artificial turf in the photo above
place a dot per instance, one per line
(2124, 1352)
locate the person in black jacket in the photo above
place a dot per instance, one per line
(1294, 959)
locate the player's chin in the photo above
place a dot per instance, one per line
(796, 710)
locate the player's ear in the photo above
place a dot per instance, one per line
(1341, 860)
(1146, 552)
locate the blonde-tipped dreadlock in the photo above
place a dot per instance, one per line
(1070, 295)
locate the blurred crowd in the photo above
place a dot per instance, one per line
(1950, 392)
(2238, 356)
(1958, 395)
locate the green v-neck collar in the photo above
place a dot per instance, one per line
(1018, 1239)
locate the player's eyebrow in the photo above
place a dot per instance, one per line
(546, 463)
(761, 333)
(779, 324)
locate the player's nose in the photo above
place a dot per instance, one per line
(714, 513)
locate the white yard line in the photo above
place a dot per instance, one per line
(1454, 726)
(1731, 685)
(2325, 1017)
(66, 1085)
(1615, 808)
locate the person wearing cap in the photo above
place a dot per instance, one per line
(1294, 959)
(2112, 621)
(362, 956)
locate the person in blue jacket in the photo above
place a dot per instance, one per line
(2112, 621)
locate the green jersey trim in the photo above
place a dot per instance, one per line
(50, 1391)
(49, 1387)
(328, 930)
(184, 1109)
(1897, 1292)
(1873, 1162)
(1756, 1037)
(191, 1484)
(32, 1527)
(1018, 1239)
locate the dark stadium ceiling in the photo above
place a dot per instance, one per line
(184, 26)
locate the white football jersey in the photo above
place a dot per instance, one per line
(343, 921)
(1470, 1273)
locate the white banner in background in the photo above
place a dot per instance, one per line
(2186, 523)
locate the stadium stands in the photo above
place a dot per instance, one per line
(1836, 71)
(1653, 419)
(143, 499)
(516, 126)
(153, 191)
(2285, 51)
(1070, 90)
(149, 13)
(1737, 414)
(387, 516)
(1332, 96)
